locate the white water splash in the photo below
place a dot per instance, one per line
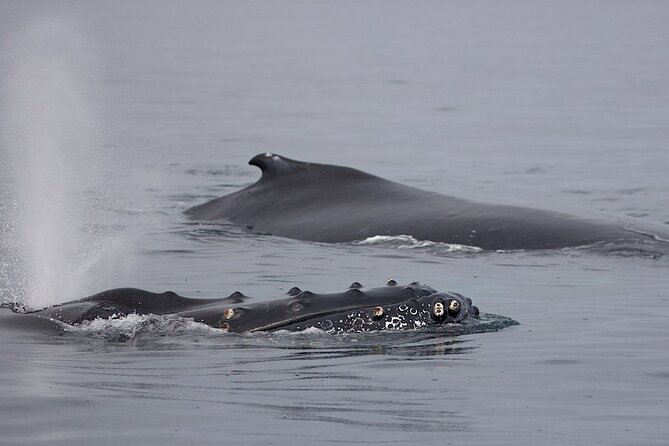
(54, 189)
(132, 325)
(410, 242)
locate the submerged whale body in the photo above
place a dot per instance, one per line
(326, 203)
(357, 309)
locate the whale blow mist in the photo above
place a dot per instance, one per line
(51, 183)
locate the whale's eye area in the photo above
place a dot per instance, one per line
(438, 310)
(454, 307)
(229, 313)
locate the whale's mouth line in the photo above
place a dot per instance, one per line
(296, 320)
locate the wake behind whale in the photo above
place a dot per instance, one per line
(327, 203)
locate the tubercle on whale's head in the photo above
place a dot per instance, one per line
(451, 307)
(294, 291)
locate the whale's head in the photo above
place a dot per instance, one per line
(358, 309)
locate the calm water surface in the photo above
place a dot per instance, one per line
(562, 105)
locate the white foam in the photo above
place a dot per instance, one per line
(307, 331)
(404, 241)
(128, 327)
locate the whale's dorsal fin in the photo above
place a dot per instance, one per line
(272, 164)
(275, 166)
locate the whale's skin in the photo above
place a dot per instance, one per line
(358, 309)
(327, 203)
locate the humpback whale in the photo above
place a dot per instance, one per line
(358, 309)
(327, 203)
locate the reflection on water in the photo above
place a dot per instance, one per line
(338, 380)
(151, 332)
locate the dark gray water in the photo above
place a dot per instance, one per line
(135, 112)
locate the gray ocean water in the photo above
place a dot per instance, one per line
(118, 116)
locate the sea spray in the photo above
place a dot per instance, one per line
(53, 224)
